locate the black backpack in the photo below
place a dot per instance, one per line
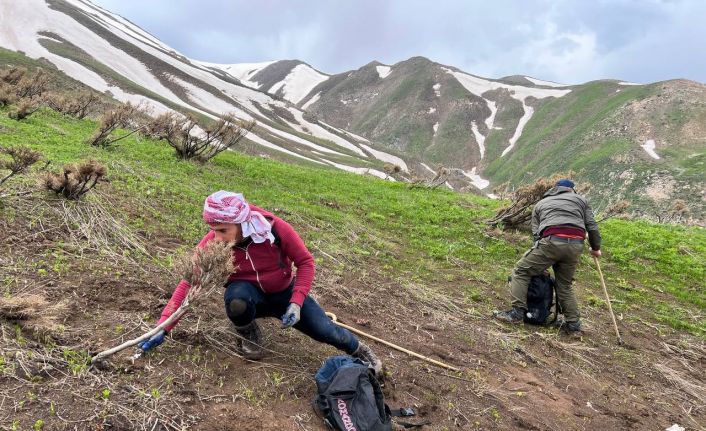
(349, 396)
(540, 298)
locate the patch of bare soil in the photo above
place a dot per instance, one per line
(513, 377)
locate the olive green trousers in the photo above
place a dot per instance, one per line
(563, 257)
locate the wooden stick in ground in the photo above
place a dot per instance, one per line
(387, 343)
(610, 307)
(176, 315)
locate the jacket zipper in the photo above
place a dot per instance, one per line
(257, 274)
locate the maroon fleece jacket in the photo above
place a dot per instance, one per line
(265, 265)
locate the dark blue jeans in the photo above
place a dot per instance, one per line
(314, 322)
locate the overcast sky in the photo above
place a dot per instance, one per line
(558, 40)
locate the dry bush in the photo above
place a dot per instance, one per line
(7, 96)
(519, 212)
(13, 75)
(124, 116)
(23, 109)
(442, 175)
(33, 312)
(75, 180)
(32, 86)
(17, 160)
(616, 209)
(77, 106)
(206, 270)
(191, 141)
(391, 168)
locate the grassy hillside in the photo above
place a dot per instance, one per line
(416, 266)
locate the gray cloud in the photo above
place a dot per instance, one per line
(563, 41)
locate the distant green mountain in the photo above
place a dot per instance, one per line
(643, 143)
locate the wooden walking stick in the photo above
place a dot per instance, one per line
(610, 307)
(387, 343)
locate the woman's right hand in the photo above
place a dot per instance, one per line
(153, 342)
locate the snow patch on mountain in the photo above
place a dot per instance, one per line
(628, 83)
(386, 157)
(369, 171)
(544, 83)
(383, 71)
(345, 132)
(206, 100)
(431, 110)
(260, 141)
(311, 101)
(120, 23)
(479, 86)
(493, 111)
(437, 89)
(298, 83)
(480, 139)
(649, 147)
(528, 111)
(435, 127)
(241, 71)
(476, 180)
(320, 132)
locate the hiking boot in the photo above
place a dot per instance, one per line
(366, 354)
(516, 315)
(250, 341)
(572, 328)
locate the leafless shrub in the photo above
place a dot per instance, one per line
(519, 211)
(17, 160)
(206, 270)
(391, 168)
(75, 180)
(13, 75)
(7, 96)
(616, 209)
(23, 109)
(442, 175)
(78, 106)
(191, 141)
(32, 86)
(124, 116)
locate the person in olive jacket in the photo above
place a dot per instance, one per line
(560, 222)
(263, 283)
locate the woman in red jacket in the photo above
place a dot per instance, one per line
(263, 284)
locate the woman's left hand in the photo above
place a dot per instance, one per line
(291, 316)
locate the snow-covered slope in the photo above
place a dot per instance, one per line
(75, 35)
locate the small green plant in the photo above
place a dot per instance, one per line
(38, 425)
(77, 361)
(15, 425)
(494, 413)
(105, 394)
(277, 378)
(52, 409)
(155, 393)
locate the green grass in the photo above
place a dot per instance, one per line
(433, 237)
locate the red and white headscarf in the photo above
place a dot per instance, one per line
(229, 207)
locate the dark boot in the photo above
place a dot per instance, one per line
(366, 354)
(250, 341)
(516, 315)
(573, 329)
